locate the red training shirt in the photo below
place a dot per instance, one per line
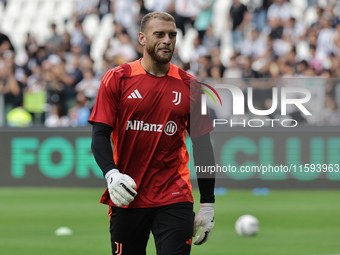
(150, 116)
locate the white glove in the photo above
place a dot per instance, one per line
(205, 219)
(121, 187)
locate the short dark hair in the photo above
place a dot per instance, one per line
(155, 15)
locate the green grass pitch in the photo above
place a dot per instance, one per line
(291, 222)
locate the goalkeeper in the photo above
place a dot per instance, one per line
(145, 109)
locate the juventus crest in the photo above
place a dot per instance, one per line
(177, 99)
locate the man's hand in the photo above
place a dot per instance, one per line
(205, 219)
(121, 187)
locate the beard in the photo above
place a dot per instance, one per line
(157, 57)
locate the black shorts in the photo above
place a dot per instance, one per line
(171, 226)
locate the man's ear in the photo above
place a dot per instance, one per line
(141, 38)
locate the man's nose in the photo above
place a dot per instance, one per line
(167, 39)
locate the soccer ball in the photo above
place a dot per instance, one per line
(247, 225)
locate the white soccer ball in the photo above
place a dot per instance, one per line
(247, 225)
(63, 231)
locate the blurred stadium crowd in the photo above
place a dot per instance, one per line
(53, 53)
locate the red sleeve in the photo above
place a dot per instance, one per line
(106, 106)
(199, 124)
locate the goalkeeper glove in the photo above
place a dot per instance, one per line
(121, 187)
(205, 219)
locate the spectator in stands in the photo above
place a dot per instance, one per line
(103, 8)
(276, 29)
(302, 67)
(19, 117)
(287, 70)
(233, 70)
(330, 84)
(216, 73)
(294, 31)
(266, 66)
(186, 14)
(325, 43)
(259, 9)
(124, 15)
(237, 14)
(57, 117)
(51, 80)
(122, 51)
(4, 2)
(217, 68)
(253, 46)
(79, 41)
(279, 11)
(210, 41)
(70, 74)
(203, 75)
(247, 71)
(204, 18)
(282, 45)
(142, 11)
(314, 61)
(198, 51)
(329, 12)
(41, 55)
(83, 8)
(134, 38)
(86, 62)
(335, 64)
(9, 85)
(105, 65)
(205, 63)
(291, 57)
(89, 85)
(54, 43)
(35, 80)
(312, 38)
(66, 45)
(310, 72)
(316, 26)
(80, 113)
(31, 47)
(5, 43)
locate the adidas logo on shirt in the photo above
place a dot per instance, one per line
(135, 94)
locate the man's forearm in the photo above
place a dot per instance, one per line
(101, 147)
(204, 156)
